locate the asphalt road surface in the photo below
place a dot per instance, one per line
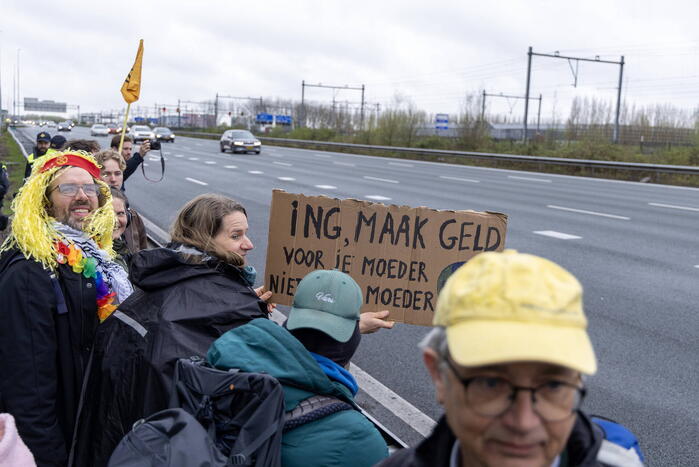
(633, 246)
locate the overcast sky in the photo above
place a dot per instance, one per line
(430, 53)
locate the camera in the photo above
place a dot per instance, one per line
(155, 145)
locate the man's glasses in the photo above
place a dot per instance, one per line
(491, 396)
(71, 189)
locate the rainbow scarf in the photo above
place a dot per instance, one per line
(84, 257)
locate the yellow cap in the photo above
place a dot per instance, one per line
(514, 307)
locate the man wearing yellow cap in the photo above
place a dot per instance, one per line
(57, 281)
(507, 356)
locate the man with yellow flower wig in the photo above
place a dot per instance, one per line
(57, 282)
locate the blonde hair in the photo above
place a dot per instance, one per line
(200, 220)
(33, 232)
(110, 154)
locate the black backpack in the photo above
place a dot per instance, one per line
(217, 418)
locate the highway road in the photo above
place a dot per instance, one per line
(633, 246)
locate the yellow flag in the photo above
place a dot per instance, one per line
(131, 89)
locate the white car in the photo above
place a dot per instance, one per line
(141, 133)
(99, 130)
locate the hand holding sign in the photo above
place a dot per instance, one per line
(372, 321)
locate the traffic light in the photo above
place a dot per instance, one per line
(178, 110)
(164, 109)
(229, 114)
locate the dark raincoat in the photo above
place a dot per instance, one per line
(178, 310)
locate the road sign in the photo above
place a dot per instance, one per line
(283, 119)
(264, 118)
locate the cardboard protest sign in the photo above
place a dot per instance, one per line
(400, 256)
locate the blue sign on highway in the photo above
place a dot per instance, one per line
(264, 118)
(283, 119)
(442, 127)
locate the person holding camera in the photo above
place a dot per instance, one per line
(132, 161)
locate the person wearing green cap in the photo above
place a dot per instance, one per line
(507, 357)
(324, 426)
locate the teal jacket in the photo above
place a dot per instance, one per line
(343, 439)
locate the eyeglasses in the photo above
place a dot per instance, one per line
(71, 189)
(491, 396)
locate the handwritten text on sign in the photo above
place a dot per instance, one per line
(399, 255)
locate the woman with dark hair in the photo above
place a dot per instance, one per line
(187, 295)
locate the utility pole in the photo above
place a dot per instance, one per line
(302, 122)
(526, 94)
(577, 59)
(216, 111)
(618, 101)
(525, 98)
(335, 88)
(361, 118)
(179, 115)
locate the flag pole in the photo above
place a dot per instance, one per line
(123, 127)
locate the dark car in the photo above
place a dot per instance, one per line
(113, 128)
(65, 126)
(164, 134)
(240, 141)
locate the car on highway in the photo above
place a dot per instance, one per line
(65, 126)
(51, 124)
(99, 130)
(164, 134)
(113, 128)
(141, 133)
(240, 141)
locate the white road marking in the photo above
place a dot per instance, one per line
(282, 163)
(377, 197)
(377, 179)
(274, 154)
(167, 153)
(326, 187)
(348, 164)
(554, 234)
(401, 164)
(193, 158)
(199, 144)
(286, 179)
(697, 266)
(672, 206)
(401, 408)
(530, 179)
(179, 155)
(592, 213)
(255, 172)
(231, 166)
(459, 179)
(324, 156)
(210, 162)
(194, 180)
(145, 164)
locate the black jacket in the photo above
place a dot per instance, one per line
(43, 352)
(177, 311)
(435, 450)
(131, 166)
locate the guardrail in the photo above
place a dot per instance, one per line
(581, 163)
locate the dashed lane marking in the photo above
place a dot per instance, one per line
(286, 164)
(326, 187)
(324, 156)
(401, 164)
(459, 179)
(145, 164)
(167, 153)
(347, 164)
(194, 180)
(193, 158)
(673, 206)
(559, 235)
(231, 166)
(377, 197)
(210, 162)
(377, 179)
(255, 172)
(592, 213)
(286, 179)
(179, 155)
(530, 179)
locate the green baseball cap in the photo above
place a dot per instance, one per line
(328, 301)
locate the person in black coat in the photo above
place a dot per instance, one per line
(188, 295)
(49, 306)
